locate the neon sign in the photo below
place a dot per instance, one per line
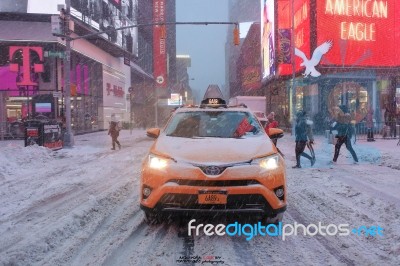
(25, 76)
(360, 8)
(363, 32)
(357, 31)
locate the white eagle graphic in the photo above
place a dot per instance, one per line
(314, 61)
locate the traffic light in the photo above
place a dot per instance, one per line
(163, 32)
(236, 36)
(57, 25)
(73, 91)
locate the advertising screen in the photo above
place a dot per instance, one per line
(43, 107)
(267, 37)
(363, 33)
(301, 36)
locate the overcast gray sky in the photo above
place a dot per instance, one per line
(205, 44)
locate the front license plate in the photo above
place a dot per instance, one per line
(212, 197)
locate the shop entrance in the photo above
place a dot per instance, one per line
(349, 97)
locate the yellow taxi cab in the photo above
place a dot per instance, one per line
(211, 159)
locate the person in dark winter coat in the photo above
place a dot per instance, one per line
(369, 123)
(303, 134)
(113, 131)
(345, 132)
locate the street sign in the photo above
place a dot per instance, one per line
(127, 60)
(57, 94)
(59, 54)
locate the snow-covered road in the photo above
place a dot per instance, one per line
(80, 206)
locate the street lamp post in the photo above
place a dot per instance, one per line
(292, 93)
(68, 136)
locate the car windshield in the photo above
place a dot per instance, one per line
(217, 124)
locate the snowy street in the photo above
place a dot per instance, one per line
(80, 206)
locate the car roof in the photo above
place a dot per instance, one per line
(212, 109)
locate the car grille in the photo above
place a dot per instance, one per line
(219, 169)
(214, 183)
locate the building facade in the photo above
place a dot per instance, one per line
(32, 61)
(324, 57)
(113, 72)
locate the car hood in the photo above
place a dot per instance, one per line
(213, 150)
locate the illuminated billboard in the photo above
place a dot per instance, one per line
(363, 32)
(301, 36)
(267, 37)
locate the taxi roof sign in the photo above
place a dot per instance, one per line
(213, 91)
(213, 96)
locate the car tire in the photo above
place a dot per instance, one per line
(152, 218)
(274, 219)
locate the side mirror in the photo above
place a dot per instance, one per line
(153, 132)
(275, 133)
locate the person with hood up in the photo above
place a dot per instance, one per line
(345, 132)
(272, 123)
(303, 134)
(113, 131)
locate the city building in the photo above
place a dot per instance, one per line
(344, 57)
(123, 72)
(32, 61)
(321, 57)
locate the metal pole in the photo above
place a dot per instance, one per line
(156, 107)
(27, 101)
(131, 118)
(2, 115)
(292, 95)
(68, 136)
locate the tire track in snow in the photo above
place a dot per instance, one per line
(243, 251)
(50, 210)
(138, 246)
(322, 240)
(187, 249)
(113, 228)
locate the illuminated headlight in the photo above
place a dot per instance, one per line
(268, 163)
(157, 162)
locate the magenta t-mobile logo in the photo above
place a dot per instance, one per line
(25, 76)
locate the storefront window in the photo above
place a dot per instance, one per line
(349, 97)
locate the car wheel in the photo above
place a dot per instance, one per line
(274, 219)
(152, 218)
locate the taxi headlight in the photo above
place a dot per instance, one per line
(157, 162)
(268, 163)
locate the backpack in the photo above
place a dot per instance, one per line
(118, 126)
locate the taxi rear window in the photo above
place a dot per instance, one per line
(218, 124)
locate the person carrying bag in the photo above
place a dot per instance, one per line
(345, 132)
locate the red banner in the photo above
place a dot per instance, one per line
(159, 44)
(301, 34)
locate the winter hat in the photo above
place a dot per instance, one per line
(347, 118)
(113, 118)
(300, 114)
